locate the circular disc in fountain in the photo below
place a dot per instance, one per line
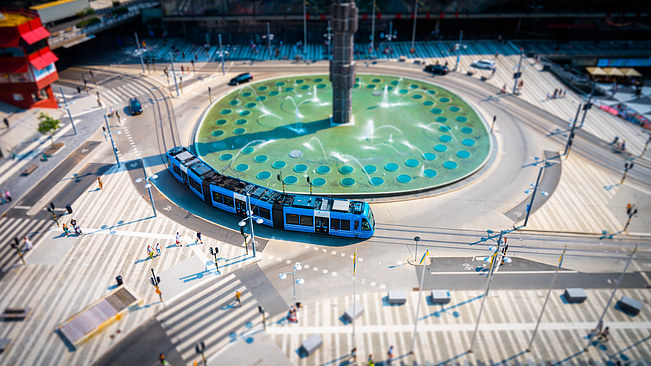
(406, 136)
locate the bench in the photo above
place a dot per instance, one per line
(15, 313)
(354, 311)
(629, 305)
(440, 296)
(397, 297)
(4, 343)
(575, 295)
(311, 344)
(30, 169)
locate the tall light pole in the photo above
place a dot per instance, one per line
(457, 48)
(68, 110)
(420, 296)
(249, 214)
(115, 151)
(148, 186)
(518, 73)
(174, 75)
(533, 195)
(140, 53)
(413, 32)
(304, 28)
(269, 35)
(570, 138)
(372, 50)
(221, 52)
(619, 282)
(300, 281)
(588, 104)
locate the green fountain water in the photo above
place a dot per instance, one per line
(407, 135)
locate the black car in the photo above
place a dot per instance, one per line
(437, 69)
(241, 78)
(134, 106)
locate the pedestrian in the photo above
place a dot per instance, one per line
(6, 121)
(158, 250)
(78, 230)
(370, 360)
(623, 146)
(554, 94)
(178, 240)
(66, 230)
(27, 244)
(390, 353)
(161, 359)
(2, 198)
(353, 355)
(78, 89)
(99, 102)
(238, 297)
(7, 195)
(503, 91)
(99, 181)
(73, 222)
(521, 84)
(118, 116)
(615, 140)
(150, 251)
(604, 335)
(199, 237)
(182, 69)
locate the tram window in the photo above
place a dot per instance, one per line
(365, 225)
(345, 225)
(196, 185)
(217, 197)
(307, 220)
(254, 208)
(334, 224)
(177, 170)
(356, 225)
(265, 214)
(292, 219)
(228, 201)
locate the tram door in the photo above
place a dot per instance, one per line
(321, 224)
(240, 207)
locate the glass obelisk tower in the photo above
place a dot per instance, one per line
(342, 65)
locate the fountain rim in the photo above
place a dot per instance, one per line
(374, 196)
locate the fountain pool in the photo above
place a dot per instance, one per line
(407, 135)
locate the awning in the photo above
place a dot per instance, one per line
(40, 61)
(630, 72)
(35, 35)
(596, 71)
(13, 67)
(613, 71)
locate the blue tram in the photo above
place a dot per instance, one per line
(295, 212)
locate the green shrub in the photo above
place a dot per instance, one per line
(85, 23)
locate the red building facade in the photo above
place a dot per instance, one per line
(26, 62)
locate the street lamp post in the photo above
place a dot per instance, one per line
(174, 75)
(457, 48)
(68, 110)
(115, 151)
(627, 167)
(372, 50)
(518, 73)
(588, 104)
(140, 53)
(148, 186)
(269, 37)
(631, 211)
(533, 195)
(249, 217)
(570, 139)
(416, 239)
(300, 281)
(304, 28)
(221, 53)
(413, 32)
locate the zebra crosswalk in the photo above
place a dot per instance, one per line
(118, 97)
(15, 227)
(445, 332)
(210, 314)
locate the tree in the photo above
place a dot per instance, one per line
(48, 125)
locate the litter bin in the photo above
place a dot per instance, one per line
(69, 209)
(119, 279)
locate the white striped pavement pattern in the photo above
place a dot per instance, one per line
(580, 202)
(84, 275)
(445, 332)
(15, 227)
(210, 315)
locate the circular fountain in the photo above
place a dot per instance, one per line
(405, 136)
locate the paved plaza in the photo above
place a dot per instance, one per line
(581, 205)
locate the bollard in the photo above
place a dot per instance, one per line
(118, 278)
(69, 209)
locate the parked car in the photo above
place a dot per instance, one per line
(484, 64)
(134, 106)
(437, 69)
(241, 78)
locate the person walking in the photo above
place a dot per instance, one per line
(150, 251)
(199, 237)
(370, 360)
(178, 240)
(390, 353)
(238, 297)
(353, 355)
(101, 185)
(2, 198)
(158, 249)
(604, 335)
(27, 244)
(7, 195)
(78, 230)
(66, 230)
(117, 114)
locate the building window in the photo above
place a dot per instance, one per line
(18, 97)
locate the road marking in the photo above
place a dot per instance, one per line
(508, 272)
